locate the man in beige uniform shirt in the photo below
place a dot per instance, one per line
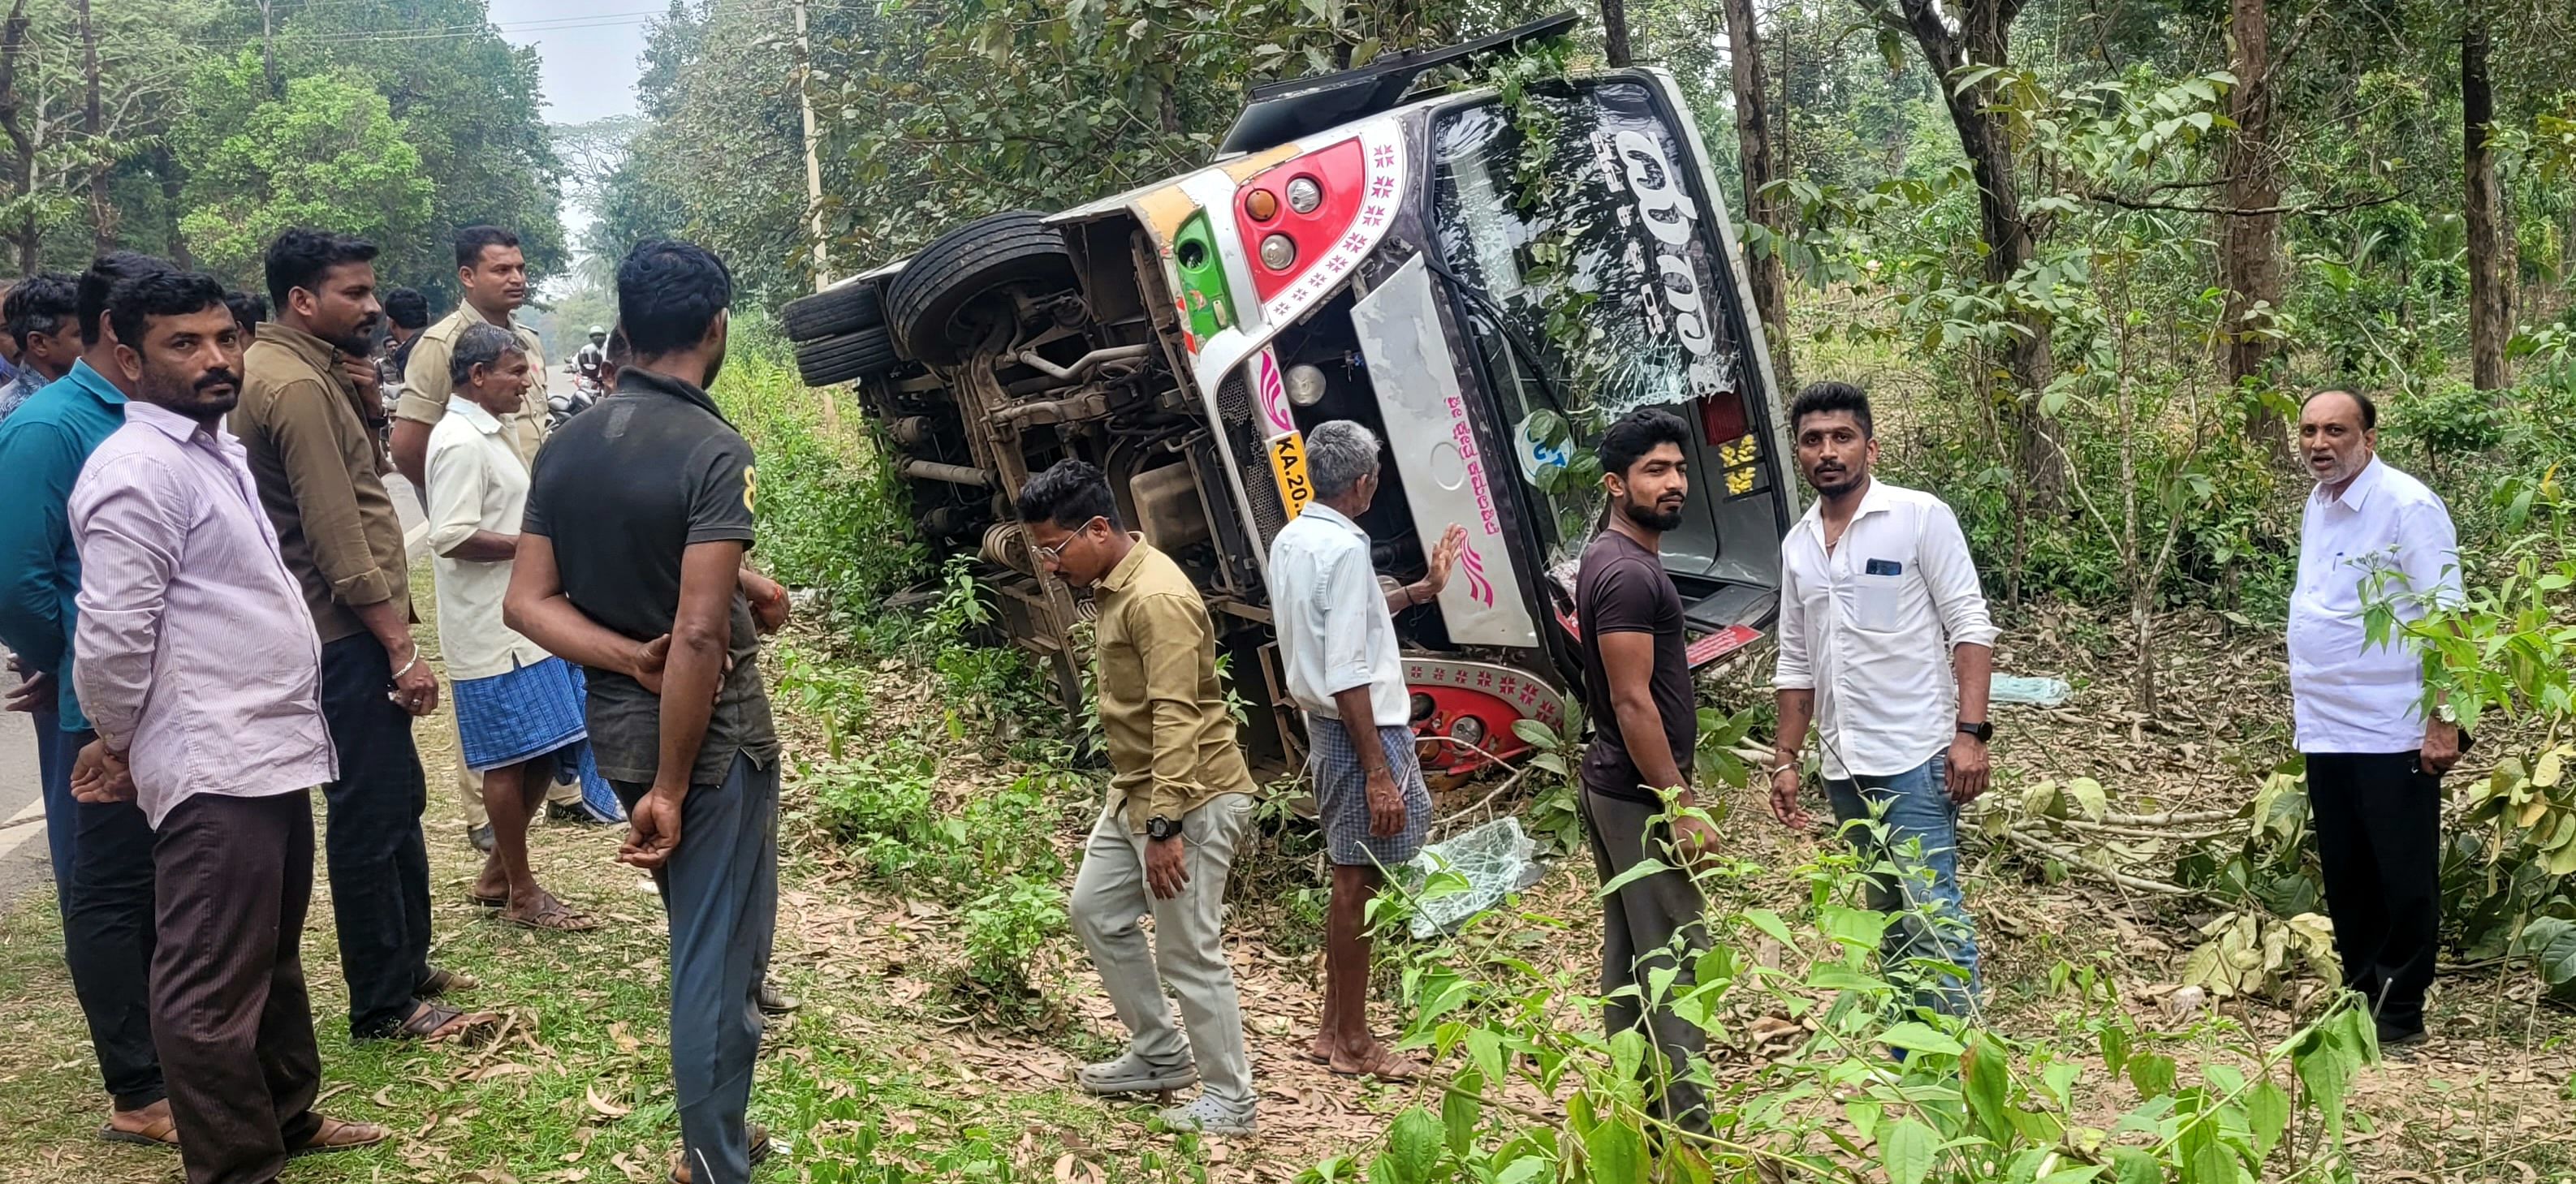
(494, 274)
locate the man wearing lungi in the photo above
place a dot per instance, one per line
(1337, 639)
(518, 708)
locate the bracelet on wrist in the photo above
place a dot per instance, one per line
(408, 666)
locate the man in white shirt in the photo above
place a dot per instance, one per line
(1886, 646)
(2375, 760)
(518, 708)
(1337, 639)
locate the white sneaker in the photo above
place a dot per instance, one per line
(1133, 1074)
(1208, 1116)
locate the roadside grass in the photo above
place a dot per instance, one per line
(861, 1085)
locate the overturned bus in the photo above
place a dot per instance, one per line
(1354, 253)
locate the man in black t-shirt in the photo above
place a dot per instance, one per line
(1645, 724)
(646, 588)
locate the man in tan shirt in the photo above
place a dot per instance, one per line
(1179, 801)
(319, 474)
(494, 273)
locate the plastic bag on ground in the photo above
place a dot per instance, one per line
(2036, 692)
(1496, 859)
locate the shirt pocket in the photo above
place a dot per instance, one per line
(1878, 603)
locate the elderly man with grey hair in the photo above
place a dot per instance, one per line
(1336, 629)
(518, 708)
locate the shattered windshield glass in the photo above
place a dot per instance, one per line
(1589, 293)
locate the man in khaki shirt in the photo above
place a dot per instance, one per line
(1178, 803)
(315, 460)
(494, 274)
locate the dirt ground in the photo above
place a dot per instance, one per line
(575, 1091)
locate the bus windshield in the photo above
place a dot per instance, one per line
(1590, 294)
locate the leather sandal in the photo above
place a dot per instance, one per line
(441, 981)
(336, 1135)
(433, 1024)
(756, 1134)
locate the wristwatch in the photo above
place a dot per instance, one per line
(1983, 731)
(1159, 828)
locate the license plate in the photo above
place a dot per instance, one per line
(1288, 467)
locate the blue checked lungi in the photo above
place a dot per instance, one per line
(1341, 795)
(527, 713)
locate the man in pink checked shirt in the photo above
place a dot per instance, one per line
(197, 661)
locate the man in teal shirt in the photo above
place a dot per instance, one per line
(102, 851)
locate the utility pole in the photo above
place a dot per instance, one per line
(813, 160)
(814, 192)
(268, 48)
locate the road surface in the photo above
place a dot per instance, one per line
(23, 864)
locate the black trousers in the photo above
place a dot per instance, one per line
(229, 1011)
(378, 859)
(108, 938)
(2378, 818)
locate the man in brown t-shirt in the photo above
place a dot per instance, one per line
(315, 460)
(1636, 779)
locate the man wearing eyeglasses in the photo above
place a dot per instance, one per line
(1179, 801)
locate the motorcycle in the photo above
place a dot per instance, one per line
(561, 406)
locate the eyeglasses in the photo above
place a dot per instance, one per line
(1051, 556)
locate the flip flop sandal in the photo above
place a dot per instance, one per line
(162, 1132)
(336, 1136)
(756, 1134)
(441, 981)
(554, 916)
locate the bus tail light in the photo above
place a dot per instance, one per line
(1297, 210)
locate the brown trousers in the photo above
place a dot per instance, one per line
(229, 1013)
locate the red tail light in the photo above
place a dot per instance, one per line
(1262, 212)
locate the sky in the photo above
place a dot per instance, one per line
(590, 49)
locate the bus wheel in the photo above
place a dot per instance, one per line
(831, 361)
(832, 312)
(938, 301)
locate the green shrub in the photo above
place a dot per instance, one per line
(1006, 926)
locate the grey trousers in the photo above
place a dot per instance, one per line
(1639, 924)
(1109, 896)
(720, 890)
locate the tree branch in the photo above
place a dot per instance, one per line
(2131, 203)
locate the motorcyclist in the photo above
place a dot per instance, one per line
(591, 357)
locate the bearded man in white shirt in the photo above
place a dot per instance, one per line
(1886, 646)
(2375, 759)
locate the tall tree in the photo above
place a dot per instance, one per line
(2490, 317)
(1614, 32)
(1958, 40)
(102, 212)
(1757, 164)
(20, 126)
(2249, 257)
(328, 154)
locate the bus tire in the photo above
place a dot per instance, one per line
(832, 312)
(931, 300)
(848, 357)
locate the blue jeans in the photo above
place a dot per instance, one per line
(54, 755)
(1922, 844)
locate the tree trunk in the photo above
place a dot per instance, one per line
(22, 143)
(1614, 32)
(165, 168)
(1985, 27)
(1770, 280)
(268, 48)
(102, 212)
(2489, 322)
(2249, 258)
